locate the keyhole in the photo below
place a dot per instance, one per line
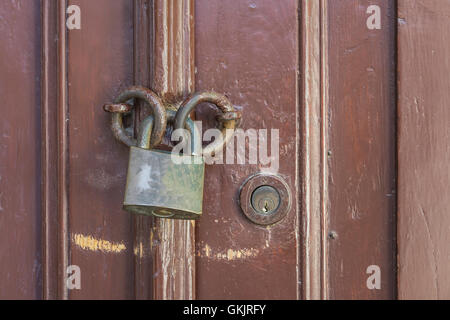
(265, 200)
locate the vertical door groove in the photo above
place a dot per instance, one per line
(63, 150)
(49, 149)
(54, 149)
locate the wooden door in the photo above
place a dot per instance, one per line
(423, 155)
(337, 80)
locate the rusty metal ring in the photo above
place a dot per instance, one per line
(158, 111)
(147, 124)
(221, 102)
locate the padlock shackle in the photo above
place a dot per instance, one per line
(222, 103)
(145, 132)
(158, 111)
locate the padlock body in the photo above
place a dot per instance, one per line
(165, 185)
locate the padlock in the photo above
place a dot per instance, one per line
(161, 183)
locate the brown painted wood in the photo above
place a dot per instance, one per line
(100, 65)
(308, 68)
(361, 140)
(20, 216)
(173, 79)
(423, 154)
(248, 50)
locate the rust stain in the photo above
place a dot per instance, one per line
(92, 244)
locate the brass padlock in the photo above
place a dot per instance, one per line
(164, 184)
(161, 183)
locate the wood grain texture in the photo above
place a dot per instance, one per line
(20, 213)
(248, 50)
(173, 79)
(174, 47)
(362, 148)
(424, 152)
(100, 66)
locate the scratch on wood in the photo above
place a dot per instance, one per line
(92, 244)
(433, 250)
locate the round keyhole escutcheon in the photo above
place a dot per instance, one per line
(265, 199)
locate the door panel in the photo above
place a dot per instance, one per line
(311, 69)
(100, 232)
(424, 154)
(20, 227)
(248, 50)
(361, 128)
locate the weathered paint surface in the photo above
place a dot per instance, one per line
(97, 245)
(250, 54)
(20, 250)
(424, 149)
(229, 255)
(99, 68)
(361, 143)
(173, 78)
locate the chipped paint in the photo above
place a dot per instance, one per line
(92, 244)
(139, 250)
(230, 254)
(207, 251)
(151, 238)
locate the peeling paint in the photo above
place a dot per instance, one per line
(101, 179)
(151, 238)
(92, 244)
(230, 254)
(139, 250)
(207, 251)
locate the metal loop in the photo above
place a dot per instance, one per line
(158, 112)
(147, 126)
(220, 102)
(118, 108)
(145, 133)
(234, 115)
